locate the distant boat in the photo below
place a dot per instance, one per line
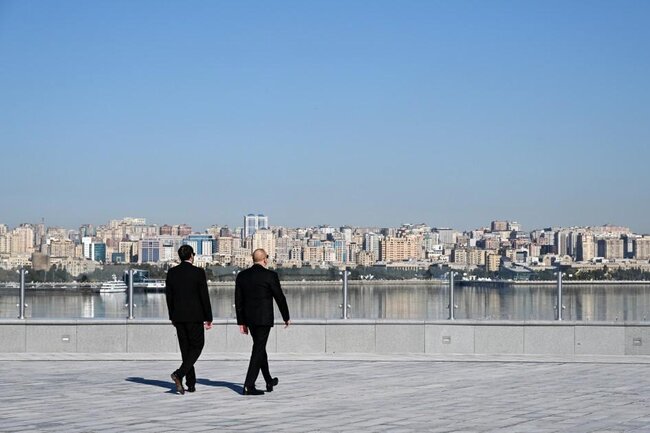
(115, 286)
(150, 284)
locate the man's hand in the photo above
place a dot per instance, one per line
(207, 325)
(243, 329)
(287, 323)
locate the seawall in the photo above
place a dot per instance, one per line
(335, 336)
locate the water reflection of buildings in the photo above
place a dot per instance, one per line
(88, 307)
(113, 305)
(584, 302)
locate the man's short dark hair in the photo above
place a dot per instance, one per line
(185, 252)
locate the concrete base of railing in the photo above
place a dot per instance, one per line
(335, 336)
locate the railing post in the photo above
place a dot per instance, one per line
(559, 295)
(131, 294)
(345, 306)
(21, 298)
(451, 296)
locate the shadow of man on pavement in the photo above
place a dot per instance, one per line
(237, 387)
(171, 387)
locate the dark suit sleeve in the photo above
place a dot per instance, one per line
(205, 297)
(169, 295)
(278, 295)
(239, 301)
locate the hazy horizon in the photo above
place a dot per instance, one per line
(151, 221)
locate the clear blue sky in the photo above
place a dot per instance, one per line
(374, 113)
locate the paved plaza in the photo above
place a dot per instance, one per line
(133, 393)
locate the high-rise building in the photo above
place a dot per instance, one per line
(499, 226)
(129, 249)
(166, 230)
(561, 243)
(169, 246)
(149, 250)
(446, 236)
(252, 223)
(459, 256)
(628, 245)
(184, 230)
(642, 248)
(86, 241)
(585, 247)
(366, 258)
(224, 245)
(476, 257)
(22, 240)
(492, 262)
(203, 245)
(399, 249)
(265, 239)
(39, 234)
(263, 222)
(86, 230)
(572, 243)
(341, 251)
(62, 248)
(371, 243)
(5, 243)
(98, 252)
(610, 248)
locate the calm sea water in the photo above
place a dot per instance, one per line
(413, 302)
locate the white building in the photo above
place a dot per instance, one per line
(253, 223)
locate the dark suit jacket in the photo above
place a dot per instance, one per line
(187, 294)
(255, 289)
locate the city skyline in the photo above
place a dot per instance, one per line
(272, 224)
(502, 247)
(450, 114)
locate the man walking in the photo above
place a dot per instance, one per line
(255, 289)
(190, 311)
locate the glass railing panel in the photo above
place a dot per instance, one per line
(407, 300)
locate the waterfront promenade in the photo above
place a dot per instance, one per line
(128, 392)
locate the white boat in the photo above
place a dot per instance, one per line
(156, 284)
(115, 286)
(150, 284)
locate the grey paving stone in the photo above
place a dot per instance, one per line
(326, 396)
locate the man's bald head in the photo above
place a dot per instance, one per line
(259, 255)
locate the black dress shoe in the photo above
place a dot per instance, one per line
(271, 384)
(178, 383)
(252, 391)
(191, 388)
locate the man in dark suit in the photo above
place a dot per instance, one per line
(190, 311)
(255, 289)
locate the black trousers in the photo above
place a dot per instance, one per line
(259, 360)
(191, 339)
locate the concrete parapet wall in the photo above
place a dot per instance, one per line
(335, 336)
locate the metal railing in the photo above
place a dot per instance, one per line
(345, 306)
(21, 298)
(130, 304)
(452, 305)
